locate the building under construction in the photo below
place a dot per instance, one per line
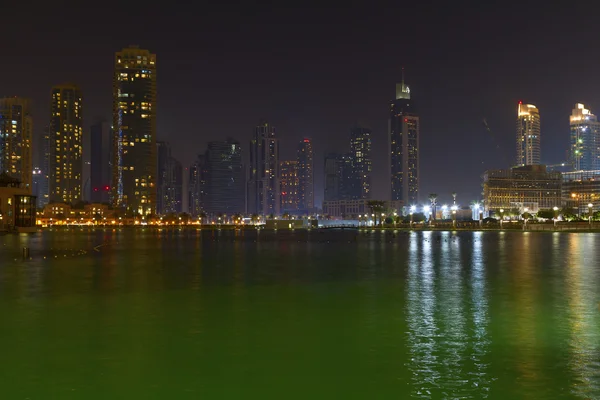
(530, 186)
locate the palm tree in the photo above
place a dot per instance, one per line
(202, 217)
(433, 200)
(286, 216)
(184, 217)
(237, 218)
(376, 207)
(255, 218)
(454, 198)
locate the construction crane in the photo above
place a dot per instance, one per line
(504, 157)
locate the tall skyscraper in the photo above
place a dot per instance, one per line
(169, 181)
(306, 189)
(584, 150)
(289, 180)
(66, 145)
(404, 147)
(100, 173)
(263, 183)
(341, 182)
(176, 186)
(224, 178)
(528, 135)
(134, 125)
(360, 150)
(43, 151)
(197, 186)
(16, 139)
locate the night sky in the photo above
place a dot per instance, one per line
(315, 71)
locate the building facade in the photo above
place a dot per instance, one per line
(263, 181)
(528, 135)
(404, 128)
(531, 187)
(580, 188)
(16, 139)
(100, 171)
(66, 145)
(289, 178)
(584, 149)
(197, 186)
(306, 186)
(225, 181)
(134, 125)
(17, 206)
(360, 150)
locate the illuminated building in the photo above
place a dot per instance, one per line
(134, 131)
(169, 181)
(16, 137)
(66, 150)
(530, 186)
(100, 166)
(43, 148)
(197, 186)
(340, 181)
(263, 183)
(580, 188)
(289, 178)
(224, 178)
(528, 135)
(404, 147)
(17, 206)
(306, 189)
(360, 150)
(584, 150)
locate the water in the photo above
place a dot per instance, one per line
(345, 315)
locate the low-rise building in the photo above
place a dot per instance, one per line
(529, 187)
(580, 188)
(17, 206)
(352, 209)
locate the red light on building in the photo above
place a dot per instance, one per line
(95, 189)
(520, 102)
(405, 119)
(106, 188)
(306, 141)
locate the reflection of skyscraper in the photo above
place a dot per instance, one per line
(224, 177)
(584, 152)
(99, 158)
(263, 184)
(134, 124)
(528, 135)
(306, 192)
(289, 178)
(360, 150)
(66, 145)
(16, 136)
(404, 147)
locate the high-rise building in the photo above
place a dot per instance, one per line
(584, 150)
(16, 139)
(263, 183)
(134, 131)
(404, 147)
(528, 135)
(289, 180)
(224, 178)
(43, 163)
(306, 189)
(360, 150)
(169, 181)
(66, 145)
(197, 186)
(341, 182)
(100, 174)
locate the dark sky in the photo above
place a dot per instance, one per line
(316, 70)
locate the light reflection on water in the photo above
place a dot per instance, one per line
(426, 314)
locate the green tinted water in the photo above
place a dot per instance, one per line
(344, 315)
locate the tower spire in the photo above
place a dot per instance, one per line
(402, 76)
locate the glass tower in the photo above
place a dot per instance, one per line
(528, 135)
(584, 149)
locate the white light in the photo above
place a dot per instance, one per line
(426, 209)
(476, 206)
(444, 207)
(413, 208)
(590, 205)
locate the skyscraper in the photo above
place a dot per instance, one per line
(99, 157)
(584, 150)
(224, 178)
(16, 137)
(289, 180)
(134, 124)
(43, 151)
(169, 181)
(360, 150)
(306, 190)
(404, 147)
(263, 183)
(66, 145)
(528, 135)
(341, 183)
(197, 186)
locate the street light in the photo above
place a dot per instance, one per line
(395, 216)
(454, 208)
(555, 215)
(412, 210)
(476, 207)
(590, 207)
(525, 211)
(501, 217)
(427, 211)
(444, 210)
(359, 218)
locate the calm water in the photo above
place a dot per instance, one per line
(337, 315)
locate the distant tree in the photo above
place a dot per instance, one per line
(285, 216)
(389, 220)
(184, 218)
(490, 220)
(97, 217)
(376, 207)
(255, 218)
(271, 216)
(545, 214)
(526, 215)
(416, 217)
(202, 217)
